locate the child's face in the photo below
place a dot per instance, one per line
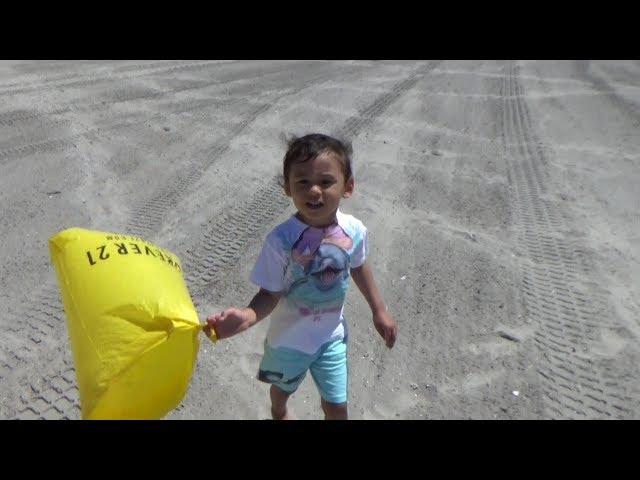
(316, 187)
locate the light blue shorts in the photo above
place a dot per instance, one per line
(286, 368)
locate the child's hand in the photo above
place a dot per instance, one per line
(229, 322)
(386, 326)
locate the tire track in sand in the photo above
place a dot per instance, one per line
(569, 309)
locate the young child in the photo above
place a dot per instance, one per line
(303, 274)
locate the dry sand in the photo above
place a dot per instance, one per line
(502, 200)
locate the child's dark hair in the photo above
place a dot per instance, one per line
(301, 149)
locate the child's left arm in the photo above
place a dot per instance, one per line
(383, 321)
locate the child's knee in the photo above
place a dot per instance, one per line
(278, 397)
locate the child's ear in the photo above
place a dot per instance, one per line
(287, 190)
(348, 187)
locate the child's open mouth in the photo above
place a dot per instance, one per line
(315, 206)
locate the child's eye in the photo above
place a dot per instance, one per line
(302, 182)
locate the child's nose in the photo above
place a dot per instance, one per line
(316, 190)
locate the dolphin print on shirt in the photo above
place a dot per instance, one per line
(321, 265)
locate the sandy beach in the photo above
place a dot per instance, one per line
(501, 198)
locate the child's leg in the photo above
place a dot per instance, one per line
(284, 369)
(329, 372)
(334, 411)
(279, 403)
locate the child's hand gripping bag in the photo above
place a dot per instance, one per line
(132, 325)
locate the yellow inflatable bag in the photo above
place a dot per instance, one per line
(132, 325)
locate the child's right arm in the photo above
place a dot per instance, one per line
(235, 320)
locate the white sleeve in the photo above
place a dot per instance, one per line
(270, 268)
(361, 251)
